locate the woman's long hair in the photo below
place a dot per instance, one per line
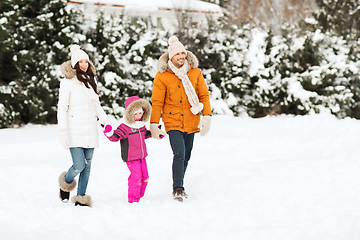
(87, 77)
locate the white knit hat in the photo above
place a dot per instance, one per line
(140, 110)
(175, 47)
(77, 54)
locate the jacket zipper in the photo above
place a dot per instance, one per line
(142, 149)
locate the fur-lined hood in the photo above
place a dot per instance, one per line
(70, 72)
(162, 63)
(135, 105)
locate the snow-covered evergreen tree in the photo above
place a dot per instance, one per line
(125, 56)
(247, 69)
(340, 16)
(36, 35)
(229, 74)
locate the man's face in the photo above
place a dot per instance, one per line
(179, 59)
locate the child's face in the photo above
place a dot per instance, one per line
(137, 116)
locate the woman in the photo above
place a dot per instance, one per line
(78, 111)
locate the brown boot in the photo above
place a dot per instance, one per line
(179, 194)
(82, 200)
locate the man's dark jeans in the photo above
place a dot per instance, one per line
(181, 144)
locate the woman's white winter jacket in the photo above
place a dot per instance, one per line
(79, 110)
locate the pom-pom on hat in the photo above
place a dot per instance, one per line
(175, 46)
(77, 54)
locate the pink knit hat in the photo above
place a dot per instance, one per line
(175, 47)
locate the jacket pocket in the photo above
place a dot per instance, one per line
(171, 116)
(174, 95)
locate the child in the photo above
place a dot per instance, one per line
(132, 134)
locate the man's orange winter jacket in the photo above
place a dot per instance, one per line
(169, 98)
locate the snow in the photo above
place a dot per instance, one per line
(154, 5)
(160, 12)
(255, 54)
(283, 177)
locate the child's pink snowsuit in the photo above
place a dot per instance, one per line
(133, 148)
(133, 152)
(137, 180)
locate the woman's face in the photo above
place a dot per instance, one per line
(83, 65)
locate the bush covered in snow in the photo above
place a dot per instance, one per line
(248, 70)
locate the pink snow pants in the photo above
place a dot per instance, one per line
(137, 180)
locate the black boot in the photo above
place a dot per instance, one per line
(81, 204)
(65, 188)
(64, 196)
(84, 201)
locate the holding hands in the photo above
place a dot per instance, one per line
(156, 132)
(108, 131)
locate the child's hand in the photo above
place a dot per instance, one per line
(108, 131)
(107, 128)
(161, 136)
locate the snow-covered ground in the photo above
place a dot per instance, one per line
(275, 178)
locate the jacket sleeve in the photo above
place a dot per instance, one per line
(100, 113)
(63, 104)
(117, 135)
(203, 95)
(147, 134)
(157, 99)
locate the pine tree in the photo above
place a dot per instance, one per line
(339, 16)
(302, 74)
(125, 52)
(270, 93)
(37, 33)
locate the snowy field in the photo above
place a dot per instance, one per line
(275, 178)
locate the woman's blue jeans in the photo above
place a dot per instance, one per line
(81, 165)
(181, 144)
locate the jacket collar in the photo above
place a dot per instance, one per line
(70, 72)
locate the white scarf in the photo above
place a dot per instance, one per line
(196, 106)
(135, 125)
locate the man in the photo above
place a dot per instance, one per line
(180, 94)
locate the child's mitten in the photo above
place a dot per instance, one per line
(108, 131)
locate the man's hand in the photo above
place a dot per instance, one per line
(156, 132)
(205, 125)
